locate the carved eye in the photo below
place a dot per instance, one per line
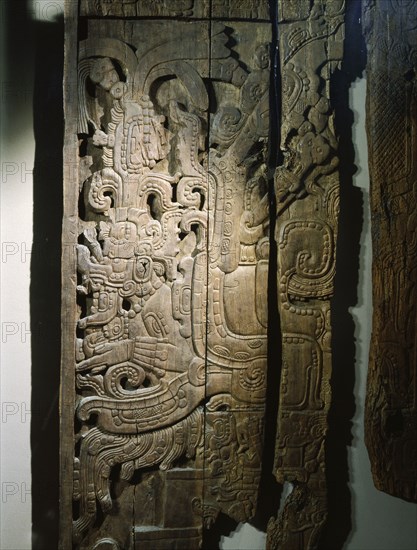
(115, 328)
(118, 90)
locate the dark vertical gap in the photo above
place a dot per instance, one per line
(45, 293)
(339, 437)
(205, 536)
(269, 490)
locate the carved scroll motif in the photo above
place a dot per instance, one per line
(307, 192)
(391, 406)
(172, 261)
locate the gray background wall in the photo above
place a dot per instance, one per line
(379, 522)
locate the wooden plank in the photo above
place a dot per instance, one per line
(69, 241)
(391, 404)
(170, 226)
(237, 271)
(307, 192)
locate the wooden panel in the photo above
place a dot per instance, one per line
(307, 193)
(171, 232)
(391, 415)
(238, 251)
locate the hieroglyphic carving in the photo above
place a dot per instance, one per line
(390, 29)
(250, 9)
(150, 8)
(218, 9)
(307, 191)
(172, 232)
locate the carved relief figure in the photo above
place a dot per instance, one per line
(166, 272)
(173, 225)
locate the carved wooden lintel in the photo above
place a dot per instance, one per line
(166, 246)
(391, 405)
(167, 214)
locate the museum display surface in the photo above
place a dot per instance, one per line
(201, 164)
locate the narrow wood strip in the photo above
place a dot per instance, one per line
(391, 404)
(307, 194)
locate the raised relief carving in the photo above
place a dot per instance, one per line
(170, 361)
(391, 416)
(150, 8)
(248, 9)
(307, 191)
(218, 9)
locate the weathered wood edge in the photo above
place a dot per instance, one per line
(68, 276)
(390, 406)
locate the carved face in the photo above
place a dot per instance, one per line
(103, 73)
(124, 231)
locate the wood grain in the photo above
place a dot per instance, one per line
(165, 361)
(391, 404)
(307, 194)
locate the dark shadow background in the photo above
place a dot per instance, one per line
(34, 50)
(37, 47)
(45, 290)
(342, 410)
